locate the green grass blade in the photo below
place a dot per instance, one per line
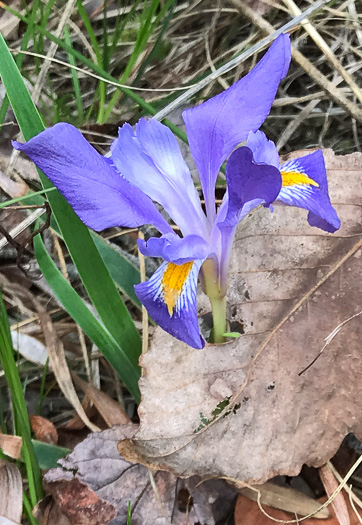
(22, 425)
(146, 106)
(94, 274)
(123, 272)
(75, 79)
(112, 351)
(28, 511)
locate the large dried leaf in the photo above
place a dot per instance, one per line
(96, 470)
(240, 409)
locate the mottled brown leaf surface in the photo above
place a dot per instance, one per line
(94, 477)
(278, 420)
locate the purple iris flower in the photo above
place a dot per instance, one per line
(147, 166)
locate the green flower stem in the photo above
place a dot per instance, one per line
(212, 287)
(218, 305)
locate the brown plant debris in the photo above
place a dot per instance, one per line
(241, 409)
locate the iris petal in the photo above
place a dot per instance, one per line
(249, 185)
(264, 150)
(97, 193)
(170, 298)
(215, 127)
(151, 159)
(305, 185)
(174, 249)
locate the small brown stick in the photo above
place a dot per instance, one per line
(339, 503)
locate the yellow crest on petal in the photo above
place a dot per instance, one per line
(173, 280)
(296, 178)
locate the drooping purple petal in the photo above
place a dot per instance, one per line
(248, 185)
(170, 298)
(97, 193)
(175, 249)
(215, 127)
(150, 158)
(264, 150)
(305, 185)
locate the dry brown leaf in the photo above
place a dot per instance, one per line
(157, 499)
(47, 512)
(109, 409)
(80, 503)
(248, 513)
(43, 429)
(285, 498)
(11, 445)
(11, 493)
(290, 286)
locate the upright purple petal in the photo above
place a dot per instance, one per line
(215, 127)
(264, 150)
(151, 159)
(305, 185)
(248, 185)
(175, 249)
(170, 298)
(97, 193)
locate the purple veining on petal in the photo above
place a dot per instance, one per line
(183, 323)
(312, 197)
(150, 158)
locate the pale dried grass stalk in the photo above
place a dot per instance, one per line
(335, 94)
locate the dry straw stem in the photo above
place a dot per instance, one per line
(325, 505)
(272, 34)
(352, 495)
(335, 94)
(324, 47)
(98, 77)
(22, 226)
(52, 50)
(339, 503)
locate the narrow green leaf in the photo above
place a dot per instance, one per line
(112, 351)
(146, 106)
(22, 425)
(75, 79)
(123, 272)
(94, 274)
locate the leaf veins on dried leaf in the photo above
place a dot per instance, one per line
(277, 292)
(95, 484)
